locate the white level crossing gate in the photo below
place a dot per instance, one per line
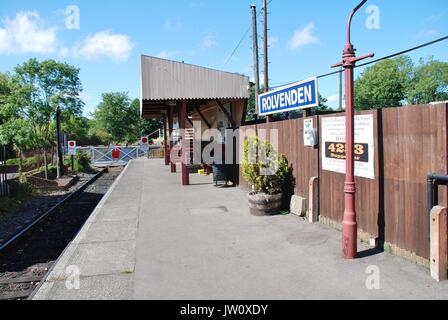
(108, 156)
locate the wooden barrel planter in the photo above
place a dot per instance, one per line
(262, 204)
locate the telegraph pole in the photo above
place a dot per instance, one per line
(266, 60)
(256, 61)
(349, 223)
(59, 147)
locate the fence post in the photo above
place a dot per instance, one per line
(439, 243)
(313, 200)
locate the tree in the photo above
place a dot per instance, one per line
(37, 89)
(118, 118)
(143, 126)
(77, 128)
(430, 82)
(322, 103)
(5, 91)
(17, 133)
(251, 110)
(14, 131)
(384, 84)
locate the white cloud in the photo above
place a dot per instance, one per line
(332, 99)
(168, 54)
(105, 44)
(303, 37)
(209, 41)
(64, 52)
(26, 33)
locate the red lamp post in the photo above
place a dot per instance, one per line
(349, 224)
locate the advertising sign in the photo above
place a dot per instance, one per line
(334, 147)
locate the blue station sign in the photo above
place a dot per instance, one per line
(297, 96)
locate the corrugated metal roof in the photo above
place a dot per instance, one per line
(171, 80)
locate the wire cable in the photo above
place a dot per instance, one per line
(243, 38)
(378, 60)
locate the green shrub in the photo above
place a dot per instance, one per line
(260, 158)
(28, 164)
(82, 162)
(12, 162)
(20, 191)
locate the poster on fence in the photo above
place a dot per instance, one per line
(333, 145)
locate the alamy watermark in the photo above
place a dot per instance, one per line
(373, 281)
(373, 21)
(226, 146)
(73, 281)
(72, 17)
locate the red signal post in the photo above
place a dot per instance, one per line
(349, 224)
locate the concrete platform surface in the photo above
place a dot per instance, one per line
(151, 238)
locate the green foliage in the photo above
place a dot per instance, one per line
(322, 103)
(81, 162)
(384, 84)
(20, 192)
(26, 164)
(430, 82)
(117, 119)
(5, 91)
(251, 111)
(36, 90)
(77, 129)
(259, 157)
(18, 133)
(394, 82)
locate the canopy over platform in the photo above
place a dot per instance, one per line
(171, 80)
(182, 94)
(163, 82)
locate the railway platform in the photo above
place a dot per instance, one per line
(151, 238)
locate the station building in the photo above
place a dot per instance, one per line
(182, 94)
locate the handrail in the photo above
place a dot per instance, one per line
(433, 179)
(158, 131)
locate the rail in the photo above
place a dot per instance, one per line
(50, 211)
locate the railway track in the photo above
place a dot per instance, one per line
(26, 258)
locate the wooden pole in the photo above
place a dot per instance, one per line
(60, 166)
(266, 58)
(183, 125)
(171, 130)
(165, 142)
(256, 59)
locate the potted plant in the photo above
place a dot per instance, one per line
(266, 171)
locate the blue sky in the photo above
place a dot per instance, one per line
(306, 37)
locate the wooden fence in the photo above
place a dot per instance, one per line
(410, 143)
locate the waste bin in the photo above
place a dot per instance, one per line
(220, 173)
